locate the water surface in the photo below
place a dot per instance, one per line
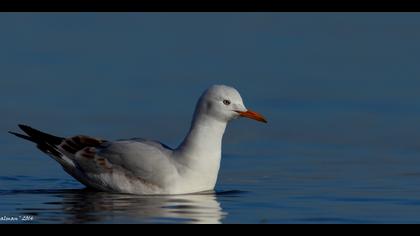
(340, 91)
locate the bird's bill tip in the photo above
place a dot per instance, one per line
(253, 115)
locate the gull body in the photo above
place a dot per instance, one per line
(140, 166)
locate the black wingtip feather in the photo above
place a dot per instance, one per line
(40, 136)
(22, 136)
(45, 142)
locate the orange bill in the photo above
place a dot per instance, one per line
(252, 115)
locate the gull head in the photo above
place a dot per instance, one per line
(224, 103)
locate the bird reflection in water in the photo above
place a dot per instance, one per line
(87, 206)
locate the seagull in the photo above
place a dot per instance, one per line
(147, 167)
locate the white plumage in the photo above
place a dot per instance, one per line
(140, 166)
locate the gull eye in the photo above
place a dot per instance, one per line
(226, 102)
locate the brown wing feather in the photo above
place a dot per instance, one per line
(83, 150)
(77, 143)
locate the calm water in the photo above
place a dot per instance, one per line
(340, 91)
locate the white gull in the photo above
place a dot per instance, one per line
(140, 166)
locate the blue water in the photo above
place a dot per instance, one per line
(340, 91)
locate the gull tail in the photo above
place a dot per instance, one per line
(47, 143)
(37, 136)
